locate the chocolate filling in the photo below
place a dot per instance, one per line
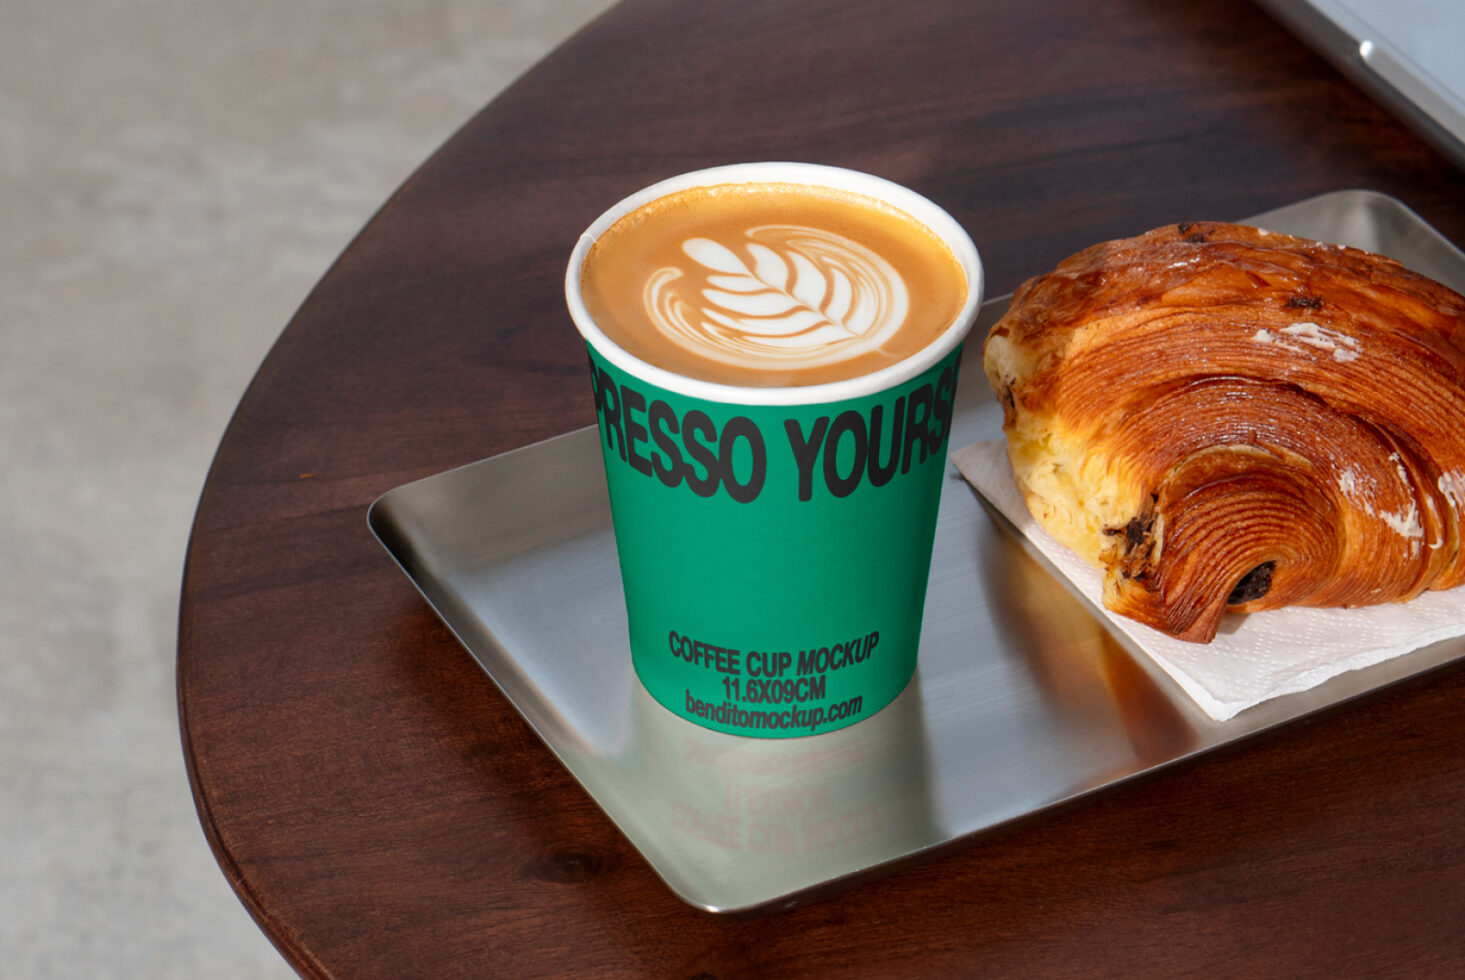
(1137, 530)
(1253, 585)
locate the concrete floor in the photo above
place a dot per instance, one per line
(173, 178)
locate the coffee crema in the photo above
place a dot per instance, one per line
(771, 284)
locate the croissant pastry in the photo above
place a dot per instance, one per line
(1222, 418)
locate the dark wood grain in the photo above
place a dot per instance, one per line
(383, 812)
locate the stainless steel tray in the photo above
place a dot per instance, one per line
(1023, 699)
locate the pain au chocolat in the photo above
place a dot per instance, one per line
(1223, 418)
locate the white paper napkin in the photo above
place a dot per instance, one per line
(1255, 657)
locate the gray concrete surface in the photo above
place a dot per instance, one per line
(173, 178)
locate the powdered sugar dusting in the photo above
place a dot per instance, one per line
(1265, 336)
(1404, 523)
(1343, 347)
(1362, 491)
(1452, 485)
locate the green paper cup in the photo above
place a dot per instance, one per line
(775, 542)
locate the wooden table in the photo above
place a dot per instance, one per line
(382, 811)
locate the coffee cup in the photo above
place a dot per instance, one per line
(773, 352)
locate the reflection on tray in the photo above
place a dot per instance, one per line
(777, 810)
(1079, 664)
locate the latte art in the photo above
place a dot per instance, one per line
(771, 285)
(796, 295)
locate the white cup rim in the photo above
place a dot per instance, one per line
(903, 198)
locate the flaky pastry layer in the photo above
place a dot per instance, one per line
(1221, 417)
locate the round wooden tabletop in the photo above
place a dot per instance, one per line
(383, 811)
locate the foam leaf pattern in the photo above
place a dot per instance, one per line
(799, 295)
